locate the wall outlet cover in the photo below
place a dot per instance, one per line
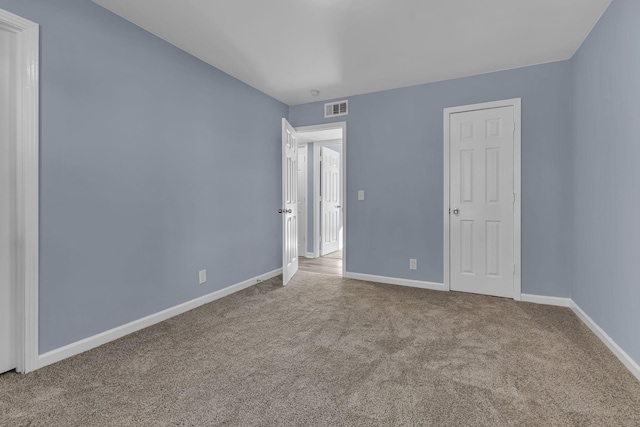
(202, 276)
(413, 264)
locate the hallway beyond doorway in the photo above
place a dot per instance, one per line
(329, 264)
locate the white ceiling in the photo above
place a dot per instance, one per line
(286, 48)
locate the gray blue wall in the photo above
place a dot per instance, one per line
(145, 174)
(606, 175)
(395, 151)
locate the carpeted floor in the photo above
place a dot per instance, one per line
(330, 351)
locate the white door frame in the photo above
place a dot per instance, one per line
(516, 103)
(305, 229)
(316, 200)
(343, 171)
(27, 36)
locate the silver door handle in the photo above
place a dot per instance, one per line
(288, 211)
(456, 211)
(280, 211)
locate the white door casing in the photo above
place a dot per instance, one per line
(330, 200)
(482, 179)
(302, 199)
(7, 204)
(26, 180)
(289, 210)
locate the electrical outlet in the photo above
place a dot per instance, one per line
(413, 264)
(360, 194)
(203, 276)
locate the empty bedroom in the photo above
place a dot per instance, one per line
(319, 212)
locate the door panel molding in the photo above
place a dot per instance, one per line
(27, 35)
(517, 186)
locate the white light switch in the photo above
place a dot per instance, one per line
(203, 276)
(360, 194)
(413, 264)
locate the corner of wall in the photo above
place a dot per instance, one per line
(572, 144)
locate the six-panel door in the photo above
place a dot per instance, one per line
(330, 201)
(289, 202)
(482, 201)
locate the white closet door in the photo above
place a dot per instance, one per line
(482, 201)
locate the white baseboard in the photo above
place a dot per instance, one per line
(395, 281)
(600, 333)
(539, 299)
(115, 333)
(607, 340)
(310, 255)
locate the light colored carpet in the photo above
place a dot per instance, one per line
(330, 351)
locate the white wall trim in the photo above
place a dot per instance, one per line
(317, 238)
(516, 103)
(310, 255)
(395, 281)
(115, 333)
(27, 35)
(595, 328)
(305, 229)
(539, 299)
(607, 340)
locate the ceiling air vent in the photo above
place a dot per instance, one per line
(333, 109)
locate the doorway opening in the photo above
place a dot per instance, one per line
(321, 198)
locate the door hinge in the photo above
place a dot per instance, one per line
(514, 269)
(514, 197)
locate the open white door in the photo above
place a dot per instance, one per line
(330, 201)
(289, 210)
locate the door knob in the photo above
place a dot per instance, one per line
(288, 211)
(280, 211)
(456, 211)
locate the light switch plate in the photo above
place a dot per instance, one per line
(360, 194)
(202, 275)
(413, 264)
